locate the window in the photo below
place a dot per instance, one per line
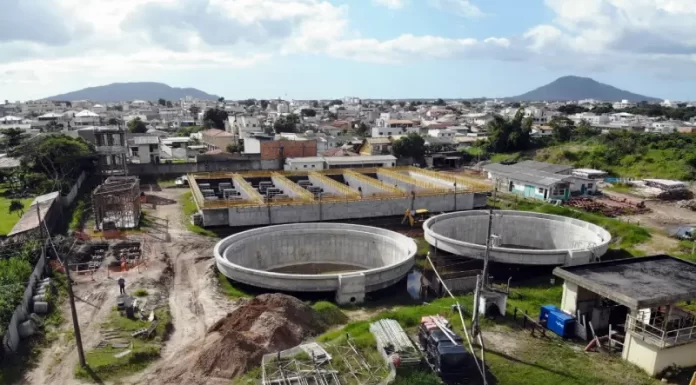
(589, 185)
(389, 133)
(312, 166)
(540, 190)
(305, 166)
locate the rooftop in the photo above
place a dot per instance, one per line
(145, 139)
(536, 177)
(637, 283)
(216, 132)
(360, 158)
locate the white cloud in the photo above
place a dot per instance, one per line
(391, 4)
(463, 8)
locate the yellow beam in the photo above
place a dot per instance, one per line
(302, 193)
(463, 183)
(345, 190)
(407, 179)
(374, 182)
(248, 189)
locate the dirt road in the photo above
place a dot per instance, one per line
(182, 261)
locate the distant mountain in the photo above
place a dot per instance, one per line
(133, 91)
(578, 88)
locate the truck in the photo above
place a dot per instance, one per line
(444, 349)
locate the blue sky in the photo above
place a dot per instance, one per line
(315, 49)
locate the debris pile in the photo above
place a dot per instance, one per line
(612, 209)
(687, 204)
(237, 343)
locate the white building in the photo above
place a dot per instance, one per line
(177, 148)
(144, 149)
(330, 162)
(99, 108)
(622, 105)
(38, 107)
(86, 118)
(243, 126)
(10, 120)
(81, 104)
(446, 133)
(394, 127)
(663, 127)
(592, 119)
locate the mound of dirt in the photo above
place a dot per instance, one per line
(236, 343)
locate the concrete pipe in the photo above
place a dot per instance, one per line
(317, 257)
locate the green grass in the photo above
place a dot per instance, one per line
(422, 251)
(622, 188)
(625, 235)
(7, 219)
(166, 183)
(330, 314)
(229, 289)
(141, 293)
(78, 215)
(189, 208)
(416, 377)
(107, 367)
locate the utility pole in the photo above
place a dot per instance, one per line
(73, 312)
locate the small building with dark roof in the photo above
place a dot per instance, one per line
(642, 299)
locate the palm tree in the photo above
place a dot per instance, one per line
(16, 206)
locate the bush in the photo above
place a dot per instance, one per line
(141, 293)
(330, 313)
(78, 215)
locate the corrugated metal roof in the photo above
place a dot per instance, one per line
(536, 177)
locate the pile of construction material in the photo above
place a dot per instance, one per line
(237, 343)
(394, 343)
(687, 204)
(617, 208)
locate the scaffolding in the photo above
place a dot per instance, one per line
(116, 203)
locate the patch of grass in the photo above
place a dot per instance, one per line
(7, 219)
(189, 208)
(166, 183)
(141, 293)
(422, 251)
(78, 215)
(416, 377)
(229, 289)
(330, 313)
(625, 235)
(107, 367)
(623, 188)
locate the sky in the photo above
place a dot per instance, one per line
(325, 49)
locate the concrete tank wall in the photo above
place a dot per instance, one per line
(385, 255)
(556, 240)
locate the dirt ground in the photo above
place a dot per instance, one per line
(176, 258)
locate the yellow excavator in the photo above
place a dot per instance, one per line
(414, 217)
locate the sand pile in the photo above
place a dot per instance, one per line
(236, 343)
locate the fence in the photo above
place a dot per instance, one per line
(70, 197)
(11, 340)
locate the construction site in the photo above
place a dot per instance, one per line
(266, 198)
(117, 203)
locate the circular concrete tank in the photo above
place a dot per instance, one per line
(317, 257)
(520, 237)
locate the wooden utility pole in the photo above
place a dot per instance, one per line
(73, 312)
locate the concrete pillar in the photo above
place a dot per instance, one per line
(351, 289)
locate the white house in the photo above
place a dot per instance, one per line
(81, 104)
(446, 133)
(144, 149)
(243, 126)
(663, 127)
(177, 148)
(10, 120)
(395, 127)
(622, 105)
(86, 118)
(99, 108)
(38, 107)
(592, 119)
(310, 163)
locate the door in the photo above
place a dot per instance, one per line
(529, 191)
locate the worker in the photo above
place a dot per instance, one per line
(124, 265)
(122, 285)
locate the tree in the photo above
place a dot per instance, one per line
(16, 206)
(363, 129)
(585, 130)
(161, 102)
(562, 129)
(286, 123)
(221, 99)
(113, 122)
(137, 126)
(57, 158)
(13, 137)
(169, 104)
(412, 145)
(440, 102)
(232, 148)
(308, 112)
(605, 108)
(215, 118)
(194, 110)
(264, 104)
(571, 109)
(388, 102)
(332, 115)
(336, 102)
(314, 104)
(509, 135)
(402, 104)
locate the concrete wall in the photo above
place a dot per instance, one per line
(270, 150)
(331, 211)
(385, 255)
(186, 168)
(403, 186)
(367, 189)
(556, 240)
(329, 189)
(654, 360)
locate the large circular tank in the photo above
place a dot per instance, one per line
(520, 237)
(317, 257)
